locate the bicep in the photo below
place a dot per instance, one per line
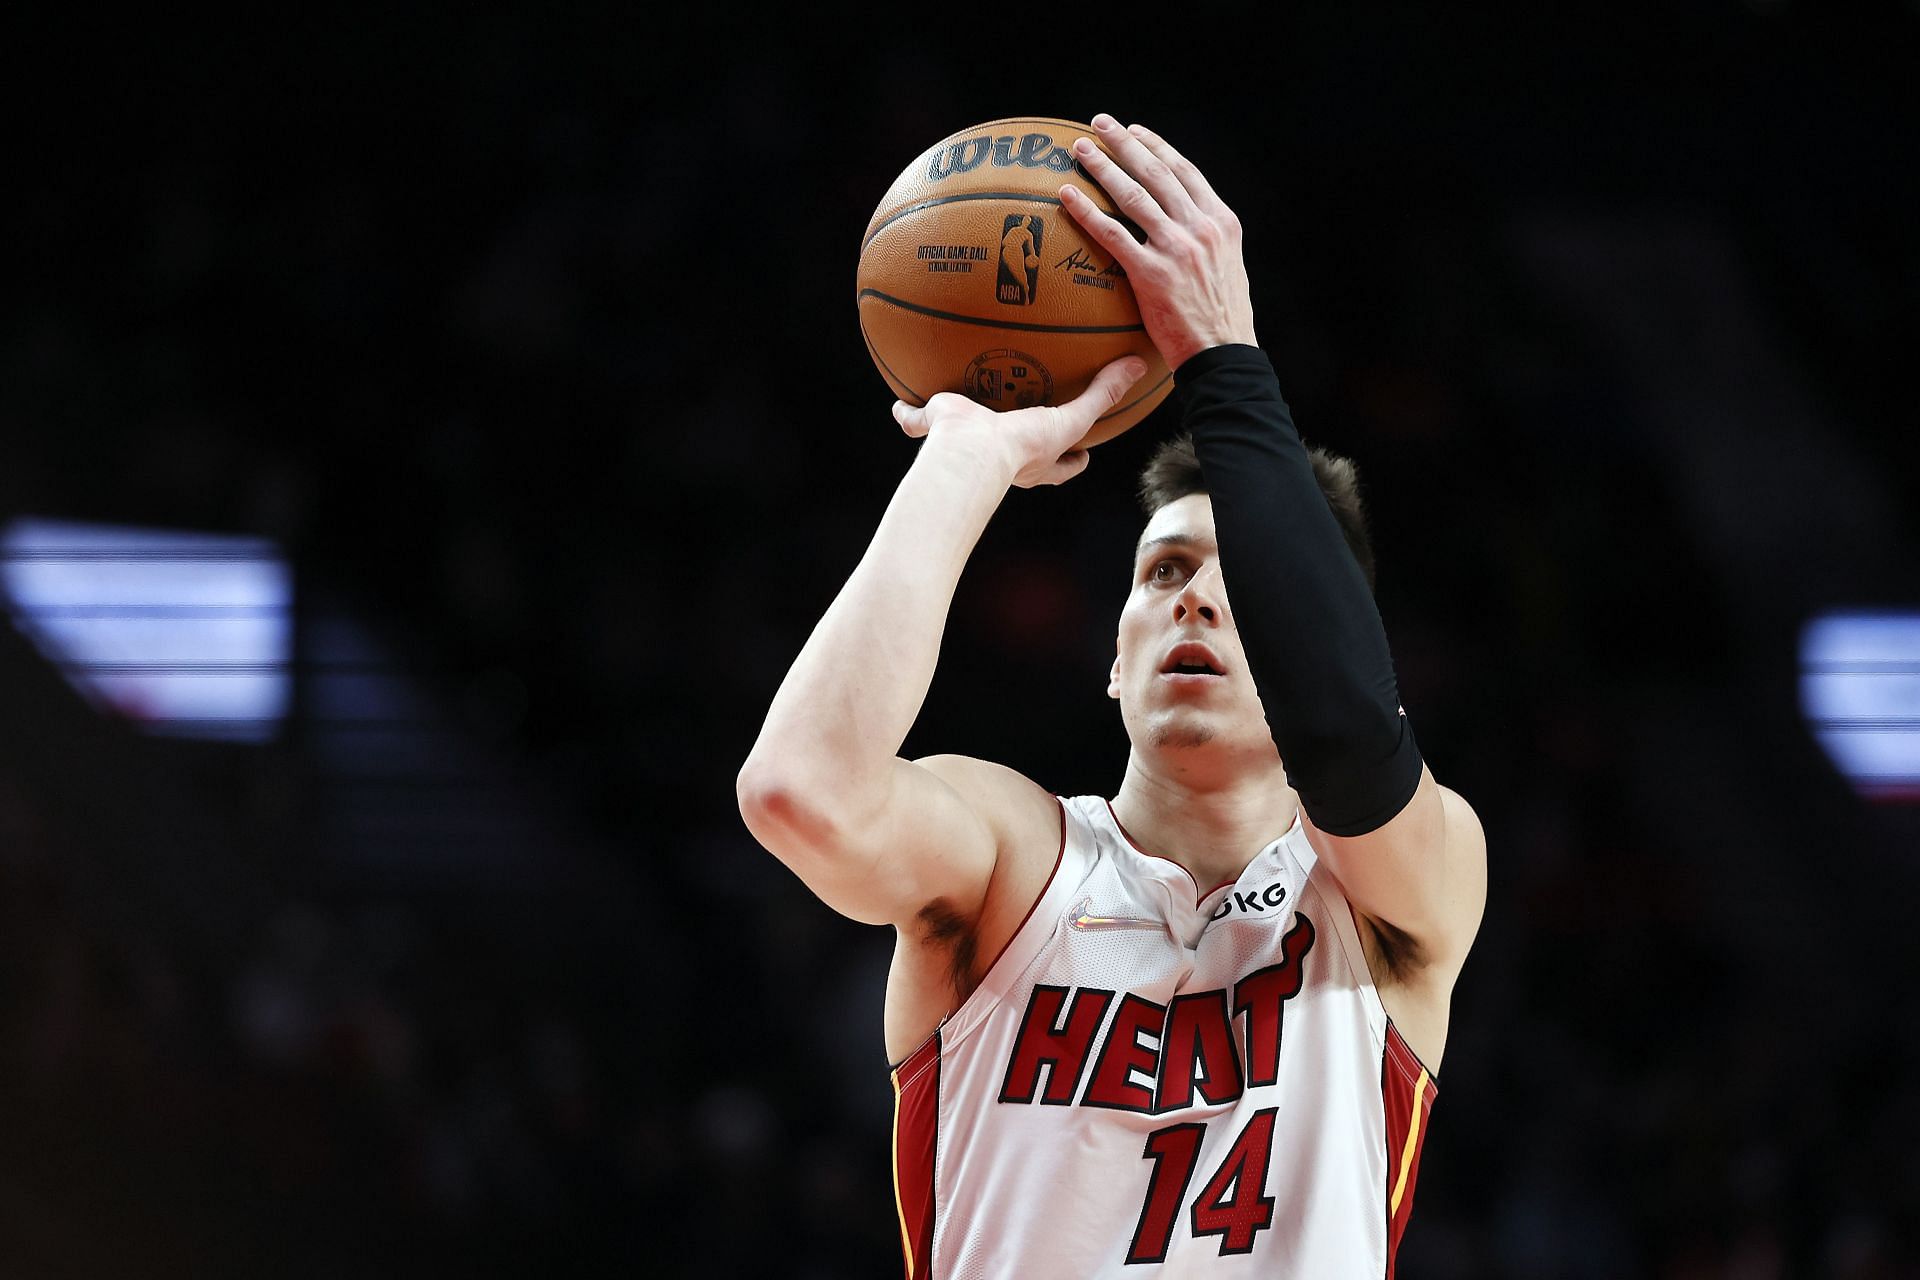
(924, 842)
(1424, 872)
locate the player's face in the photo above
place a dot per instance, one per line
(1180, 674)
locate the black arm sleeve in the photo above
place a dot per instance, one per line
(1314, 643)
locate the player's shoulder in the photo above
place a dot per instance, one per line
(1018, 809)
(1466, 837)
(1029, 826)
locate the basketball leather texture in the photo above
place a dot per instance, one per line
(974, 279)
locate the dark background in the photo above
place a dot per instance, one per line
(531, 340)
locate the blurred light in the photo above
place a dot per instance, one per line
(185, 633)
(1860, 693)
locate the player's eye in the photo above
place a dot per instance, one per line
(1164, 571)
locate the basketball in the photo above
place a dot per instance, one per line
(972, 278)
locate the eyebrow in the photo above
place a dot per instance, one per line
(1204, 545)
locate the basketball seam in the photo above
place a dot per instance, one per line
(887, 369)
(937, 201)
(1020, 325)
(1122, 408)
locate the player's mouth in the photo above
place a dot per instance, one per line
(1191, 663)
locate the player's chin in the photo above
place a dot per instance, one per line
(1182, 720)
(1181, 734)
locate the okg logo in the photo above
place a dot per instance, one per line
(1020, 245)
(1250, 903)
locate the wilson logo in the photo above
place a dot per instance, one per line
(1006, 151)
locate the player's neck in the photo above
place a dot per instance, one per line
(1210, 823)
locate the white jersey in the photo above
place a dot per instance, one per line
(1157, 1080)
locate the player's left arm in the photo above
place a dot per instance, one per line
(1424, 873)
(1409, 853)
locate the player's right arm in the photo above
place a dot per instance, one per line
(876, 837)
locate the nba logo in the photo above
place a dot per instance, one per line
(1020, 239)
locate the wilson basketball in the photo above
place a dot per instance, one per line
(974, 279)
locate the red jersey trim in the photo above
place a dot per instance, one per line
(1406, 1093)
(916, 1147)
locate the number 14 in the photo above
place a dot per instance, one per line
(1233, 1205)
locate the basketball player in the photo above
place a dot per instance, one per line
(1193, 1029)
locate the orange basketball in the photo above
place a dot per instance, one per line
(972, 278)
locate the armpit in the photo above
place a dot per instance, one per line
(1391, 953)
(943, 928)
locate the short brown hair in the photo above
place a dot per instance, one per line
(1173, 473)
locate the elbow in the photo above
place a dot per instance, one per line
(782, 811)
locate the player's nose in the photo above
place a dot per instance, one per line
(1201, 598)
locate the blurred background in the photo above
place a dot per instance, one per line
(426, 442)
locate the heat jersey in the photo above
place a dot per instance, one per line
(1157, 1079)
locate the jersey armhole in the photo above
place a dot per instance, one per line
(1378, 1019)
(1339, 912)
(1035, 929)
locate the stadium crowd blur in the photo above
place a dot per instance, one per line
(535, 351)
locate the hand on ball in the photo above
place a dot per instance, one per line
(1188, 278)
(1032, 446)
(971, 279)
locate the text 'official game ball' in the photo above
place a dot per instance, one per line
(973, 278)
